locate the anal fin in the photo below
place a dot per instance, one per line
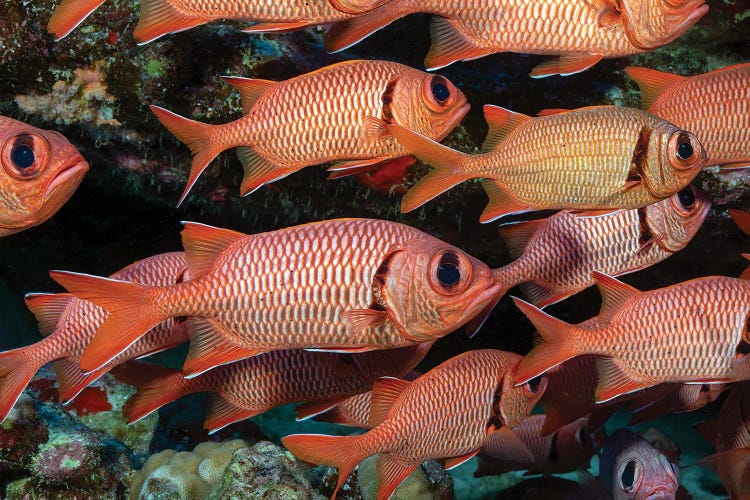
(313, 408)
(500, 203)
(209, 348)
(453, 462)
(614, 382)
(71, 380)
(391, 472)
(540, 295)
(277, 27)
(449, 44)
(221, 413)
(505, 444)
(259, 170)
(565, 65)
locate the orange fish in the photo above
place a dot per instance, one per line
(161, 17)
(678, 398)
(253, 386)
(68, 324)
(691, 332)
(719, 110)
(339, 113)
(449, 413)
(595, 158)
(580, 33)
(569, 448)
(556, 256)
(346, 285)
(40, 172)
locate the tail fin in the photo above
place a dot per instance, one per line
(17, 368)
(157, 386)
(556, 346)
(344, 34)
(197, 136)
(69, 14)
(336, 451)
(159, 18)
(445, 161)
(131, 315)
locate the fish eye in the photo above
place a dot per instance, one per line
(438, 93)
(440, 90)
(687, 197)
(685, 150)
(448, 273)
(25, 156)
(534, 383)
(629, 476)
(22, 156)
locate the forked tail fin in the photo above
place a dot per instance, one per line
(69, 14)
(17, 367)
(157, 386)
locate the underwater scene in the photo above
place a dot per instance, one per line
(517, 267)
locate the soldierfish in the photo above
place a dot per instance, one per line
(569, 448)
(40, 172)
(580, 33)
(679, 398)
(69, 323)
(719, 110)
(595, 158)
(345, 285)
(449, 413)
(253, 386)
(556, 256)
(692, 332)
(339, 113)
(161, 17)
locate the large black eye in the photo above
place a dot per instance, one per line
(534, 383)
(22, 156)
(687, 198)
(627, 478)
(447, 272)
(440, 90)
(685, 149)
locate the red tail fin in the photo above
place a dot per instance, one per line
(16, 369)
(157, 386)
(69, 14)
(131, 315)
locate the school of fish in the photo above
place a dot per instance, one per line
(335, 315)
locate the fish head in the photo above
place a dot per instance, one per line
(40, 171)
(429, 288)
(426, 103)
(666, 158)
(356, 6)
(661, 442)
(574, 444)
(516, 402)
(678, 218)
(650, 24)
(633, 469)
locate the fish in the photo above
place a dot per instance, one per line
(569, 448)
(719, 110)
(467, 402)
(40, 171)
(698, 327)
(68, 324)
(680, 398)
(599, 158)
(347, 285)
(556, 256)
(578, 33)
(630, 468)
(661, 442)
(162, 17)
(338, 113)
(255, 385)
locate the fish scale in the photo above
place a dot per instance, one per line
(261, 10)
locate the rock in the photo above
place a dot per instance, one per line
(20, 436)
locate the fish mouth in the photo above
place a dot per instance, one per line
(485, 296)
(660, 493)
(69, 178)
(453, 122)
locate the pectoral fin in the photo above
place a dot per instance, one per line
(565, 65)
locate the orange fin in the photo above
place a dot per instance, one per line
(445, 161)
(500, 203)
(741, 218)
(278, 27)
(615, 294)
(391, 472)
(221, 413)
(335, 451)
(203, 244)
(159, 18)
(505, 444)
(607, 13)
(453, 462)
(259, 171)
(335, 416)
(344, 34)
(359, 320)
(552, 111)
(559, 415)
(477, 322)
(652, 83)
(501, 122)
(351, 167)
(47, 309)
(374, 129)
(613, 381)
(130, 314)
(384, 392)
(250, 89)
(556, 346)
(312, 409)
(16, 370)
(157, 386)
(734, 166)
(71, 380)
(209, 348)
(199, 137)
(517, 235)
(450, 45)
(540, 295)
(69, 14)
(566, 65)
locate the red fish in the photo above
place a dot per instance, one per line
(346, 285)
(69, 323)
(449, 413)
(679, 398)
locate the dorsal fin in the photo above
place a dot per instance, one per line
(652, 83)
(614, 294)
(517, 235)
(250, 89)
(47, 309)
(203, 244)
(501, 122)
(384, 393)
(552, 111)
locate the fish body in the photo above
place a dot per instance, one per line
(40, 172)
(346, 284)
(596, 158)
(580, 33)
(69, 323)
(556, 256)
(691, 332)
(338, 113)
(679, 398)
(449, 412)
(719, 110)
